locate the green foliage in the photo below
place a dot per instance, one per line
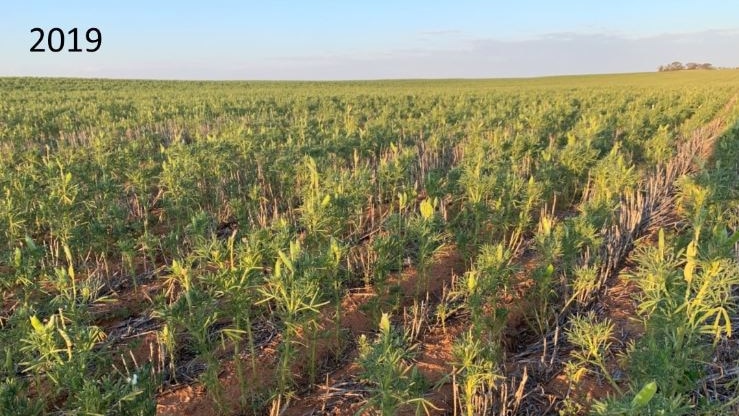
(592, 341)
(477, 372)
(386, 367)
(483, 288)
(686, 299)
(220, 207)
(14, 399)
(294, 290)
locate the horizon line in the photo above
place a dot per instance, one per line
(296, 80)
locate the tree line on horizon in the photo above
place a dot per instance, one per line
(679, 66)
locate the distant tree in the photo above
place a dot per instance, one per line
(679, 66)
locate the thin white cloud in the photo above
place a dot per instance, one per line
(453, 56)
(547, 54)
(445, 32)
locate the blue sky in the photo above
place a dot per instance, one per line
(382, 39)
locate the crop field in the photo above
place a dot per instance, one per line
(564, 245)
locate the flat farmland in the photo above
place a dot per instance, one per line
(561, 245)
